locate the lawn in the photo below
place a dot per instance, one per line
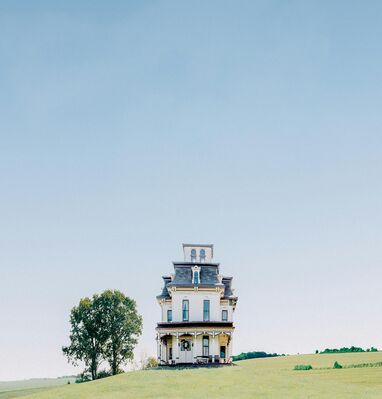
(257, 378)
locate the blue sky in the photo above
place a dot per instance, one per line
(128, 128)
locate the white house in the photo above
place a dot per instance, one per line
(197, 305)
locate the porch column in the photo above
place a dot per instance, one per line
(229, 349)
(176, 351)
(194, 353)
(213, 347)
(164, 350)
(158, 353)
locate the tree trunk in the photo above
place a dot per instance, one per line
(94, 369)
(114, 365)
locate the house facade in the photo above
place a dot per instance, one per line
(197, 306)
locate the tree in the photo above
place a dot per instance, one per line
(105, 327)
(122, 325)
(87, 337)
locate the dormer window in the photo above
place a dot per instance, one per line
(193, 255)
(196, 275)
(202, 255)
(196, 278)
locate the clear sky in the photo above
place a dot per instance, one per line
(129, 127)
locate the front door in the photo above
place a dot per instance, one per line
(169, 357)
(222, 353)
(185, 351)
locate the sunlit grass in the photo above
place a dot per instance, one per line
(258, 378)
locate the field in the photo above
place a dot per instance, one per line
(257, 378)
(18, 389)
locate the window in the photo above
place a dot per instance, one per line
(202, 255)
(206, 310)
(224, 315)
(169, 353)
(193, 255)
(196, 278)
(169, 315)
(206, 345)
(185, 307)
(195, 275)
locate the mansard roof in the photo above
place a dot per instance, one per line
(208, 277)
(183, 273)
(165, 293)
(228, 292)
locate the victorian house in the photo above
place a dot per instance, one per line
(197, 305)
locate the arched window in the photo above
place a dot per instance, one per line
(202, 255)
(193, 255)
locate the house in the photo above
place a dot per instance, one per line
(197, 305)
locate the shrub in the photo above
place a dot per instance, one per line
(303, 367)
(372, 349)
(336, 365)
(361, 365)
(103, 374)
(149, 363)
(83, 377)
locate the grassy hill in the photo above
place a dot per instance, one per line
(257, 378)
(17, 389)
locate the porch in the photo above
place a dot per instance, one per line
(203, 348)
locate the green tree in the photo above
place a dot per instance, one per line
(87, 337)
(104, 328)
(122, 326)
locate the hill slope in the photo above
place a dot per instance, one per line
(259, 378)
(16, 389)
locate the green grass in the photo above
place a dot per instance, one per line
(22, 393)
(257, 378)
(22, 388)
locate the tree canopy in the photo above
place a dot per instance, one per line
(253, 355)
(349, 350)
(105, 327)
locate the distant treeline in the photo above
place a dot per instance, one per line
(348, 350)
(253, 355)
